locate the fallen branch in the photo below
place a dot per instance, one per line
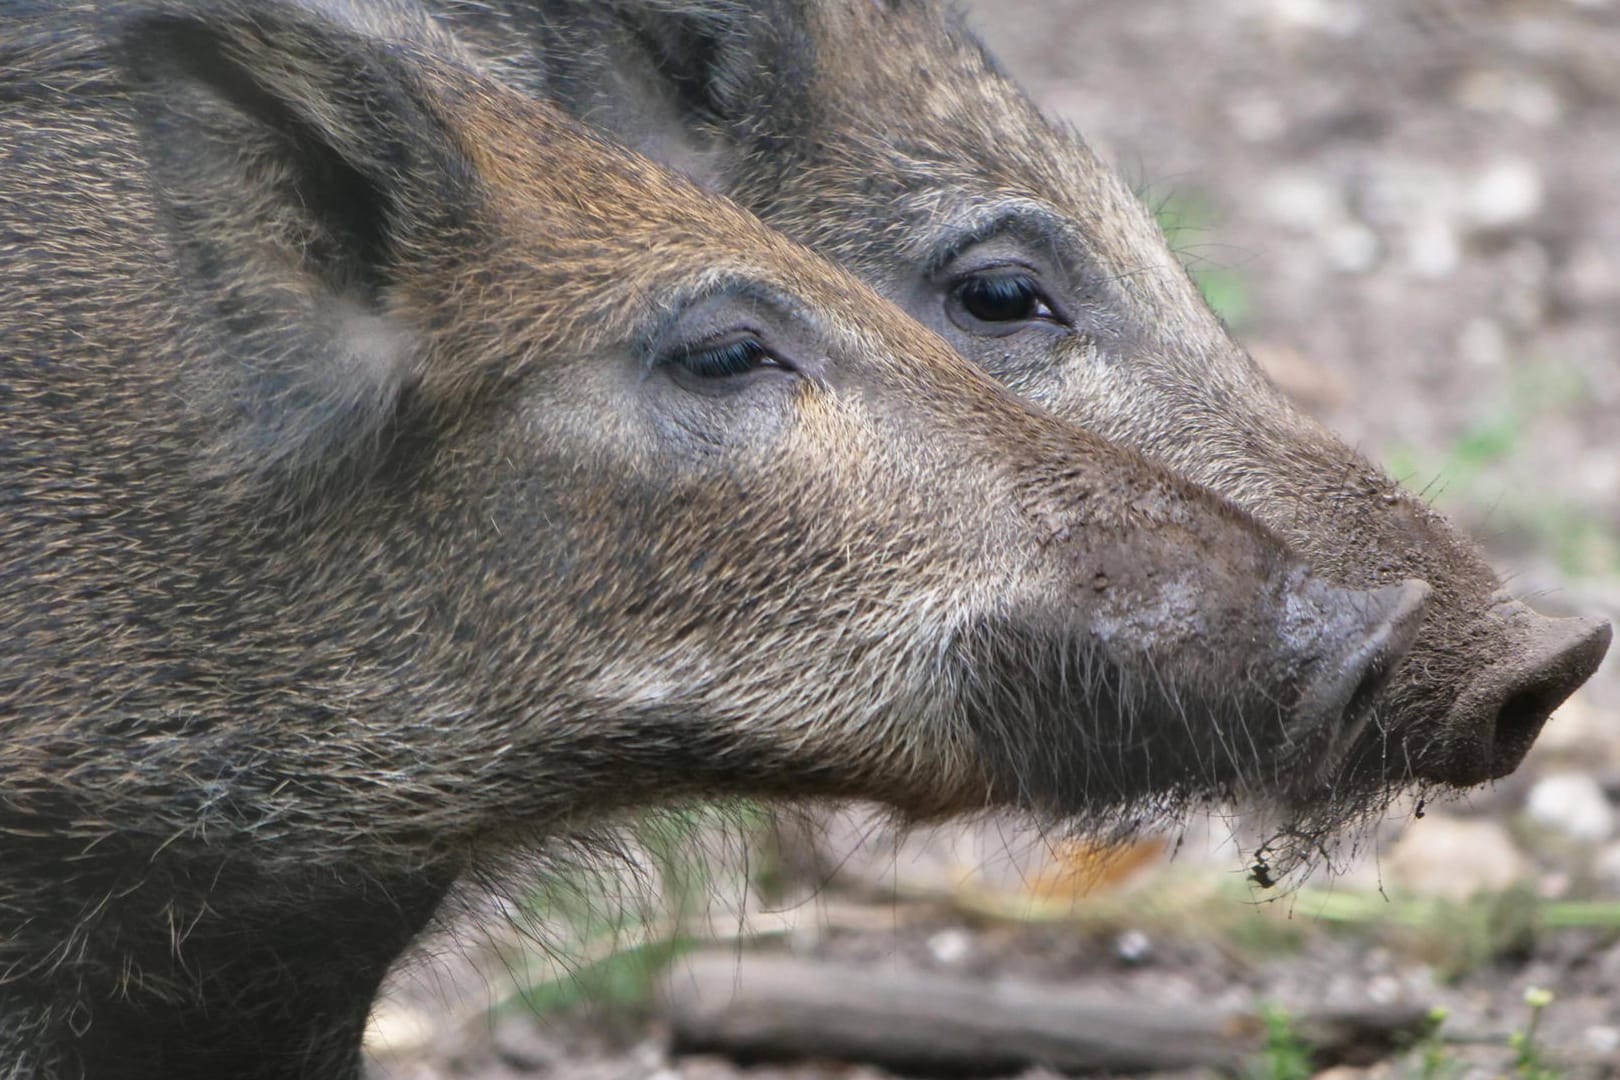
(764, 1007)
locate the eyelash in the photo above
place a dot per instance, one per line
(726, 359)
(992, 290)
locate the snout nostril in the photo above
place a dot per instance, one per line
(1513, 701)
(1521, 719)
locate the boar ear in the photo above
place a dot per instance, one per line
(693, 79)
(296, 159)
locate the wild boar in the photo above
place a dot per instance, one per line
(396, 474)
(882, 134)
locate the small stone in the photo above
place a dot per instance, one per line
(1602, 1039)
(1133, 947)
(1303, 202)
(1573, 804)
(1433, 249)
(1256, 118)
(1483, 343)
(1352, 247)
(1384, 990)
(1318, 16)
(1454, 858)
(950, 947)
(652, 1054)
(1598, 478)
(1505, 196)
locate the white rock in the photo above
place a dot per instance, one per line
(1598, 478)
(652, 1056)
(1256, 117)
(1507, 194)
(1133, 946)
(1384, 989)
(1454, 858)
(1319, 16)
(951, 947)
(1352, 247)
(1302, 202)
(1483, 343)
(1433, 249)
(1572, 803)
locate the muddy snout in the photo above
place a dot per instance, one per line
(1352, 642)
(1497, 718)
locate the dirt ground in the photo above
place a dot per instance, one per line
(1411, 213)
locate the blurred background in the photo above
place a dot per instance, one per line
(1410, 212)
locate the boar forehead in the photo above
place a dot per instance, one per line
(962, 146)
(957, 147)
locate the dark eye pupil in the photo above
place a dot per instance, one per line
(1004, 298)
(719, 361)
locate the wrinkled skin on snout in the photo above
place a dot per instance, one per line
(881, 134)
(396, 474)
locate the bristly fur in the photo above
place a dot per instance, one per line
(886, 137)
(366, 519)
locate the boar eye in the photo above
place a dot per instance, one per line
(1001, 298)
(719, 360)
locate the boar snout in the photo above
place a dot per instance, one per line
(1260, 695)
(1495, 721)
(1179, 652)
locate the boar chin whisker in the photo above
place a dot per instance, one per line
(1075, 735)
